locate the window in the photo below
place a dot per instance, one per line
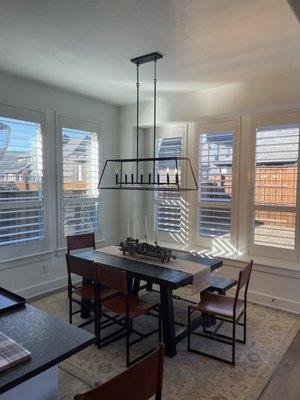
(80, 176)
(168, 204)
(275, 186)
(215, 184)
(21, 184)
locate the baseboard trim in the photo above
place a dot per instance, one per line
(45, 289)
(276, 303)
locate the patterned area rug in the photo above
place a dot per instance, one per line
(189, 376)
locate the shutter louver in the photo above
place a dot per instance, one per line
(80, 155)
(21, 182)
(168, 204)
(276, 176)
(215, 184)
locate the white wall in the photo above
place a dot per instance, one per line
(275, 93)
(272, 285)
(26, 276)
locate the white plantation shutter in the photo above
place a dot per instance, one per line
(275, 186)
(21, 182)
(215, 184)
(80, 176)
(168, 204)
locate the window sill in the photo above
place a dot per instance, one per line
(25, 259)
(264, 264)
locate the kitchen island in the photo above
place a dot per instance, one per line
(50, 341)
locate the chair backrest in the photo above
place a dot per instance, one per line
(112, 278)
(244, 278)
(77, 242)
(78, 266)
(138, 382)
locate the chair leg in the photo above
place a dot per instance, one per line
(233, 340)
(96, 321)
(189, 329)
(210, 335)
(70, 310)
(127, 327)
(245, 327)
(158, 396)
(203, 321)
(159, 326)
(149, 287)
(98, 336)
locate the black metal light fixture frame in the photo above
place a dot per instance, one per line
(152, 182)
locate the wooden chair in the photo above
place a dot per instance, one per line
(126, 307)
(86, 270)
(77, 242)
(223, 309)
(139, 382)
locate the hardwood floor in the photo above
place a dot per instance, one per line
(285, 382)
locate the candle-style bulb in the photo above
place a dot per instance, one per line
(168, 177)
(176, 176)
(142, 177)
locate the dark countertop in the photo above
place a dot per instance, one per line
(50, 341)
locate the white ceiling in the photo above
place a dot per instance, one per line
(85, 45)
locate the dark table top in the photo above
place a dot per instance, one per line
(49, 340)
(161, 275)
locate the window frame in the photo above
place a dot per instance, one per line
(34, 247)
(68, 122)
(258, 122)
(219, 126)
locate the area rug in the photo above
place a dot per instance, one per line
(189, 376)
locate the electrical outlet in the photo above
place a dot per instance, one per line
(45, 268)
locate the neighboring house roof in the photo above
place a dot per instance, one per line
(10, 163)
(284, 148)
(17, 168)
(73, 144)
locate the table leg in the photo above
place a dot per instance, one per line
(85, 304)
(167, 311)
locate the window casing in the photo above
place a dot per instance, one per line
(216, 165)
(23, 213)
(79, 195)
(274, 223)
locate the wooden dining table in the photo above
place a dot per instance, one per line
(166, 278)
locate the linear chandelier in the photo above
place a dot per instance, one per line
(163, 173)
